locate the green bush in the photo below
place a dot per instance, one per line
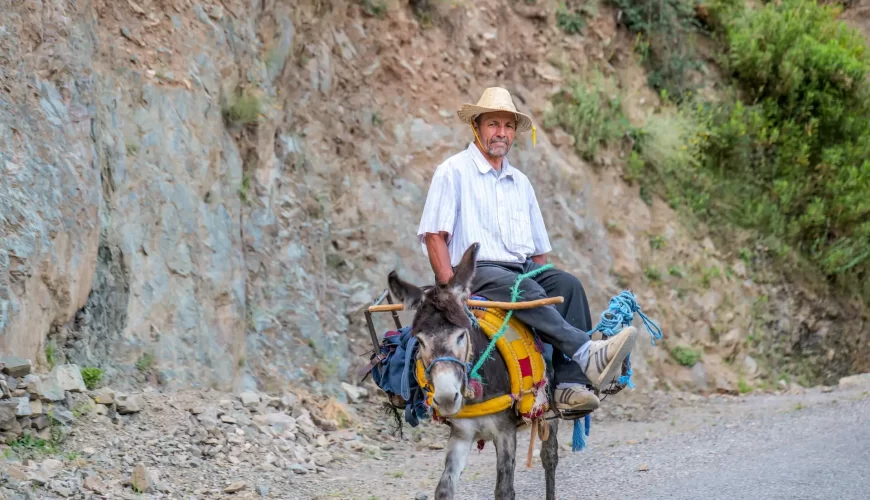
(809, 132)
(789, 157)
(665, 32)
(686, 356)
(91, 376)
(593, 116)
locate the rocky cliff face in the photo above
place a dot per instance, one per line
(207, 194)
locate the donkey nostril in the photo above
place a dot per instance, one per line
(441, 401)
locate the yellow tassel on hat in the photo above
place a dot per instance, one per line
(534, 136)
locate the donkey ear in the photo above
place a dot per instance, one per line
(406, 293)
(460, 283)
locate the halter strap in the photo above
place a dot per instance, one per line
(451, 359)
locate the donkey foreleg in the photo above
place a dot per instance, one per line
(506, 455)
(457, 453)
(550, 458)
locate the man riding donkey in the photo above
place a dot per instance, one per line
(477, 196)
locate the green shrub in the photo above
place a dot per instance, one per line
(91, 376)
(685, 356)
(593, 116)
(805, 146)
(244, 108)
(665, 36)
(787, 151)
(571, 18)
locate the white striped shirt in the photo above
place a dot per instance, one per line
(474, 203)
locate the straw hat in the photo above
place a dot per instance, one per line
(494, 99)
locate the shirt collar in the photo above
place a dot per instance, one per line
(483, 165)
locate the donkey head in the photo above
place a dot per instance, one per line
(443, 330)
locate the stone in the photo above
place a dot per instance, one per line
(104, 396)
(23, 409)
(93, 483)
(750, 365)
(132, 403)
(143, 479)
(36, 407)
(40, 422)
(289, 400)
(235, 487)
(8, 409)
(15, 366)
(4, 389)
(281, 421)
(61, 415)
(354, 394)
(68, 378)
(699, 376)
(249, 399)
(299, 469)
(46, 389)
(262, 490)
(421, 496)
(322, 458)
(860, 380)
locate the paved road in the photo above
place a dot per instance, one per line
(766, 449)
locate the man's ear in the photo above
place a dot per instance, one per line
(460, 283)
(406, 293)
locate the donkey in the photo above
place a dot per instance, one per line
(448, 341)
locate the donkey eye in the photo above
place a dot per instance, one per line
(421, 343)
(461, 339)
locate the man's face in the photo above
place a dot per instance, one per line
(497, 131)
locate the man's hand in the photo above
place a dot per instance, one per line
(539, 259)
(439, 256)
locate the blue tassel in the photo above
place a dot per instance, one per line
(588, 421)
(626, 379)
(578, 440)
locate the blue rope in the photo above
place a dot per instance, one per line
(620, 313)
(581, 431)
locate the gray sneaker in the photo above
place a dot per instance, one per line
(575, 398)
(606, 356)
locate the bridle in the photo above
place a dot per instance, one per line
(466, 366)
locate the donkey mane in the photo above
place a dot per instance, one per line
(440, 305)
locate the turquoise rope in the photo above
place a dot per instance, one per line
(515, 295)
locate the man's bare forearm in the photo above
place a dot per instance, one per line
(439, 256)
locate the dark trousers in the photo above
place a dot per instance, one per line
(563, 326)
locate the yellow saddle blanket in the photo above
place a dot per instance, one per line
(525, 364)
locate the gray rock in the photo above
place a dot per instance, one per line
(23, 409)
(298, 469)
(61, 415)
(262, 490)
(132, 403)
(68, 377)
(8, 409)
(40, 422)
(699, 376)
(143, 479)
(421, 496)
(104, 396)
(249, 399)
(15, 366)
(860, 380)
(354, 393)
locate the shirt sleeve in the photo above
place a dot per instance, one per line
(442, 202)
(539, 229)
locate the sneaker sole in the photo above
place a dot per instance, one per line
(590, 406)
(615, 364)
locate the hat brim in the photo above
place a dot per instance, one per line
(468, 112)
